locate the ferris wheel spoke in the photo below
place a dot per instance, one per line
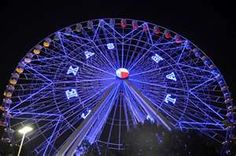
(202, 123)
(46, 59)
(203, 83)
(61, 42)
(46, 125)
(113, 38)
(88, 73)
(162, 109)
(184, 48)
(26, 86)
(159, 58)
(38, 106)
(158, 85)
(140, 116)
(207, 105)
(112, 125)
(167, 44)
(134, 41)
(89, 98)
(190, 118)
(31, 68)
(54, 52)
(169, 53)
(124, 100)
(151, 70)
(112, 66)
(135, 109)
(148, 106)
(30, 115)
(38, 132)
(200, 113)
(62, 128)
(181, 109)
(37, 114)
(33, 94)
(138, 59)
(80, 133)
(149, 34)
(85, 44)
(136, 51)
(112, 54)
(127, 52)
(46, 146)
(122, 54)
(110, 34)
(195, 68)
(50, 140)
(133, 65)
(158, 96)
(91, 66)
(120, 118)
(129, 38)
(111, 29)
(196, 77)
(134, 32)
(82, 40)
(173, 118)
(133, 113)
(169, 74)
(97, 30)
(79, 42)
(83, 80)
(44, 69)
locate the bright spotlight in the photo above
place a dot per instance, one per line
(25, 130)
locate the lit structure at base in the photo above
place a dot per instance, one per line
(96, 79)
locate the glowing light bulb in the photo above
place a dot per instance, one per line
(122, 73)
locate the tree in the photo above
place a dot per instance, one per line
(151, 140)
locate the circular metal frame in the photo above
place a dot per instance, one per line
(67, 89)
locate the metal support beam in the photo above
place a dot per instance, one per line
(76, 138)
(150, 106)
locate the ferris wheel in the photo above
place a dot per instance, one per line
(96, 79)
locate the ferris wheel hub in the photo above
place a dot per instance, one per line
(122, 73)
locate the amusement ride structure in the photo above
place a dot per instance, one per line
(96, 79)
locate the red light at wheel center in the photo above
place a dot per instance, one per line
(122, 73)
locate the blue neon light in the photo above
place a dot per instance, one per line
(72, 84)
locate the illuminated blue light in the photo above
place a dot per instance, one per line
(110, 46)
(169, 99)
(88, 54)
(156, 58)
(72, 70)
(84, 115)
(171, 76)
(150, 118)
(51, 92)
(71, 93)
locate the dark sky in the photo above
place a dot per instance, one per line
(208, 24)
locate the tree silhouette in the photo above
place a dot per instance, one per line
(151, 140)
